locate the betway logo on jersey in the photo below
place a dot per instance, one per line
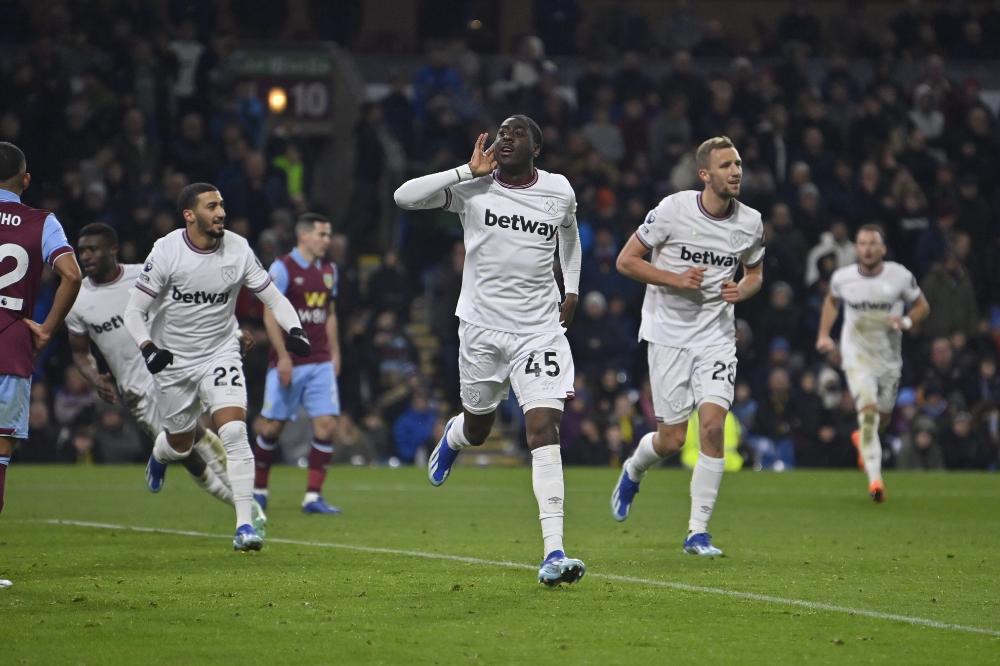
(518, 223)
(708, 258)
(115, 322)
(865, 306)
(200, 297)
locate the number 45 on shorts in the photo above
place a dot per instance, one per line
(535, 361)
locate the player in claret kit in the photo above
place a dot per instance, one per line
(310, 283)
(698, 240)
(29, 238)
(874, 293)
(511, 324)
(192, 277)
(97, 317)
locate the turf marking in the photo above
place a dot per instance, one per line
(652, 582)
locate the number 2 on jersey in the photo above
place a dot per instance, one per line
(535, 368)
(20, 256)
(220, 376)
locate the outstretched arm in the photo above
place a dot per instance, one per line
(428, 192)
(284, 314)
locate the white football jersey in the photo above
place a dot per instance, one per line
(866, 339)
(510, 243)
(98, 314)
(682, 235)
(196, 294)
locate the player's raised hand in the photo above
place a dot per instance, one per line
(691, 278)
(106, 388)
(731, 292)
(41, 336)
(482, 161)
(825, 344)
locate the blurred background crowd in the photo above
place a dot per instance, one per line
(844, 114)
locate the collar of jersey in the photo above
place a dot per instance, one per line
(510, 186)
(300, 260)
(195, 248)
(7, 195)
(732, 210)
(98, 285)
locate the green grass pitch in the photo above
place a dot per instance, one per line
(814, 572)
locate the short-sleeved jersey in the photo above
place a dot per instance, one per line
(29, 238)
(310, 288)
(866, 339)
(682, 235)
(196, 296)
(511, 236)
(99, 314)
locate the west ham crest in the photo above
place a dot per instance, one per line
(229, 273)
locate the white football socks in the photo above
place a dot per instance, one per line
(705, 482)
(547, 482)
(643, 458)
(871, 446)
(456, 434)
(239, 458)
(165, 453)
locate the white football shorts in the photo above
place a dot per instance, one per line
(870, 386)
(539, 366)
(213, 385)
(682, 379)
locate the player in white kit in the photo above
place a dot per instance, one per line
(97, 317)
(698, 241)
(874, 293)
(511, 324)
(192, 278)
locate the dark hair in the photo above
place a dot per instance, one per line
(533, 128)
(189, 195)
(307, 221)
(100, 229)
(11, 161)
(877, 228)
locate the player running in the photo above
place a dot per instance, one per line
(97, 316)
(698, 241)
(310, 284)
(874, 292)
(29, 238)
(511, 325)
(193, 276)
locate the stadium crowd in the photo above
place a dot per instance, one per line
(119, 105)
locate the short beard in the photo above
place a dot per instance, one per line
(215, 234)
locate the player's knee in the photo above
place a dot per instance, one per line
(711, 431)
(324, 428)
(268, 428)
(542, 434)
(477, 430)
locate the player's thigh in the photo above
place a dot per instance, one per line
(178, 405)
(713, 376)
(146, 413)
(281, 403)
(888, 388)
(320, 396)
(670, 380)
(15, 402)
(863, 385)
(222, 385)
(542, 370)
(482, 368)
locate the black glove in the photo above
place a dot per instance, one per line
(156, 358)
(297, 342)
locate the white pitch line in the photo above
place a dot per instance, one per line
(684, 587)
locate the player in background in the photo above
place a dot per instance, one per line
(511, 324)
(874, 293)
(29, 238)
(97, 316)
(192, 277)
(698, 240)
(310, 284)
